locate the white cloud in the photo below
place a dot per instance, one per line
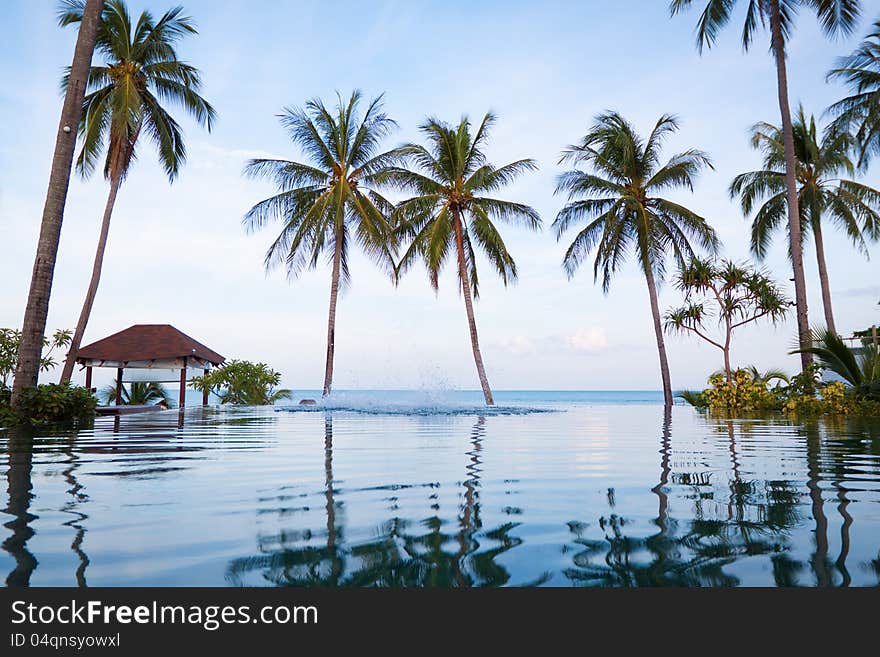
(587, 339)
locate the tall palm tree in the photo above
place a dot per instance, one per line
(449, 213)
(822, 194)
(37, 308)
(835, 16)
(626, 215)
(141, 70)
(860, 112)
(332, 200)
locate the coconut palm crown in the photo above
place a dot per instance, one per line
(124, 100)
(860, 111)
(623, 204)
(331, 201)
(453, 210)
(826, 192)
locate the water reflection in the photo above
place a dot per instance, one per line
(402, 552)
(20, 449)
(714, 502)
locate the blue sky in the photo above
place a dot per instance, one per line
(178, 253)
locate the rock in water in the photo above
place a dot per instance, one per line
(307, 402)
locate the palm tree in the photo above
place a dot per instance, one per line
(141, 70)
(850, 205)
(139, 393)
(449, 214)
(860, 112)
(37, 308)
(835, 16)
(621, 202)
(326, 204)
(767, 376)
(861, 369)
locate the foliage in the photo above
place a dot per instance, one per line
(241, 382)
(10, 340)
(835, 17)
(325, 204)
(621, 199)
(805, 394)
(51, 403)
(769, 375)
(125, 94)
(860, 370)
(138, 393)
(451, 180)
(733, 295)
(822, 193)
(860, 111)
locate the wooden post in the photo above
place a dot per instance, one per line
(205, 392)
(119, 386)
(89, 378)
(181, 402)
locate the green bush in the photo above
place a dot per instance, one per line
(51, 403)
(805, 394)
(243, 383)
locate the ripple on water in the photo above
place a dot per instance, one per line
(414, 493)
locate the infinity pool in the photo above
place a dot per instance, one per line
(553, 493)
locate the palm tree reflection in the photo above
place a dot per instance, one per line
(402, 552)
(18, 488)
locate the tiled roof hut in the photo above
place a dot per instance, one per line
(148, 346)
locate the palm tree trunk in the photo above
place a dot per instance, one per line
(823, 276)
(794, 224)
(469, 307)
(331, 317)
(37, 309)
(86, 311)
(658, 331)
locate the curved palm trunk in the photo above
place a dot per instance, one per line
(37, 309)
(86, 311)
(658, 331)
(469, 307)
(331, 317)
(794, 226)
(823, 277)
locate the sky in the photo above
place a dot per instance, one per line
(178, 253)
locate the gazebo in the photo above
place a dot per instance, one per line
(154, 347)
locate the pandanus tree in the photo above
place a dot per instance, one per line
(859, 112)
(29, 352)
(626, 215)
(141, 71)
(727, 295)
(835, 16)
(823, 195)
(331, 202)
(451, 215)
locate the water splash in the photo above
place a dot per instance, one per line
(415, 403)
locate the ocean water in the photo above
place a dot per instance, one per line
(433, 489)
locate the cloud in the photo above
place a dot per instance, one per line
(588, 340)
(519, 345)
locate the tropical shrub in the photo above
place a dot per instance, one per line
(243, 383)
(860, 370)
(52, 403)
(10, 340)
(803, 394)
